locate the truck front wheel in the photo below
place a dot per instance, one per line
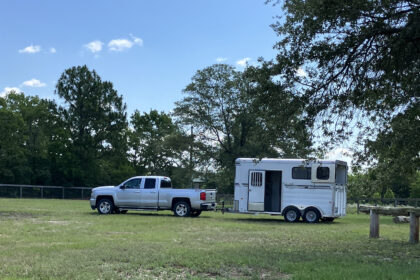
(182, 209)
(105, 206)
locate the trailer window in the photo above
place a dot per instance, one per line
(256, 179)
(301, 172)
(323, 173)
(165, 184)
(150, 183)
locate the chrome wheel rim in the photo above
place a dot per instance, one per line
(181, 209)
(310, 216)
(291, 215)
(105, 207)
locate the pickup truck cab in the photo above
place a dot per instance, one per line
(151, 193)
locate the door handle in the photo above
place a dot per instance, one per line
(136, 191)
(153, 192)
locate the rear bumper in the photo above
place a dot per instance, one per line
(208, 206)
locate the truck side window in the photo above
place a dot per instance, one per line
(301, 172)
(150, 183)
(165, 184)
(133, 184)
(323, 173)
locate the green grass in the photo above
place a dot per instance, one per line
(64, 239)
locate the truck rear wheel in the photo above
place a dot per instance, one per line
(105, 206)
(182, 209)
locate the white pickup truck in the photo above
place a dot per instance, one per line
(151, 193)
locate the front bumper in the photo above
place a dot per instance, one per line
(208, 206)
(93, 203)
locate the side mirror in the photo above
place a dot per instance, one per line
(122, 187)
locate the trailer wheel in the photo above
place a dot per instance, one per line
(311, 215)
(182, 209)
(292, 215)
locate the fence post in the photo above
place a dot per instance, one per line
(358, 205)
(42, 192)
(414, 228)
(374, 224)
(20, 192)
(395, 202)
(82, 194)
(63, 191)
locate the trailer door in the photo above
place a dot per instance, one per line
(256, 191)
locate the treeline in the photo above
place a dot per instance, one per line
(90, 141)
(342, 71)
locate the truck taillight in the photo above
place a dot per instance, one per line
(203, 196)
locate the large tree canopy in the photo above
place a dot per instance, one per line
(243, 114)
(96, 118)
(356, 64)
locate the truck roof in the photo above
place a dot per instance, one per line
(152, 176)
(281, 160)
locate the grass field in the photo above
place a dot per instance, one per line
(64, 239)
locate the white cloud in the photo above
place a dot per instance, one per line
(340, 154)
(31, 49)
(7, 90)
(94, 46)
(33, 83)
(53, 50)
(221, 59)
(136, 40)
(119, 45)
(301, 73)
(243, 62)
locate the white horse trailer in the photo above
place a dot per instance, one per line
(294, 188)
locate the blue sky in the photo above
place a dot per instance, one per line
(148, 49)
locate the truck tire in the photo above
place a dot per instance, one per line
(182, 209)
(196, 213)
(311, 215)
(292, 215)
(105, 206)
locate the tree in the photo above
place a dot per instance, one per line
(96, 118)
(157, 143)
(357, 64)
(242, 114)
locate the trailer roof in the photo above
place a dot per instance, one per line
(281, 160)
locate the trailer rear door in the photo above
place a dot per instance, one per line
(256, 191)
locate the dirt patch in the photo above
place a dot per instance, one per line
(17, 215)
(180, 272)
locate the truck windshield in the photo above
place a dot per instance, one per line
(165, 184)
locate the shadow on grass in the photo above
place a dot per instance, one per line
(275, 221)
(134, 213)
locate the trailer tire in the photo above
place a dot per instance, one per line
(311, 215)
(182, 209)
(291, 215)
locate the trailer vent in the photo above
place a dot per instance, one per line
(256, 179)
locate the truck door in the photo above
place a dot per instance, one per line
(129, 193)
(256, 191)
(149, 194)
